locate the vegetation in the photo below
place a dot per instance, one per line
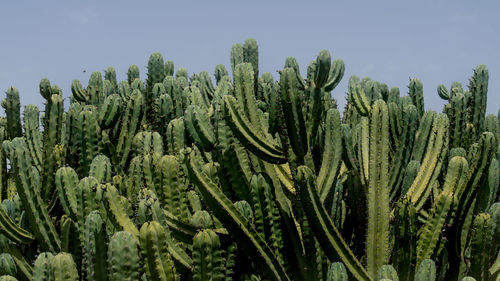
(174, 178)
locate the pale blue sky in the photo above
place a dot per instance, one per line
(389, 41)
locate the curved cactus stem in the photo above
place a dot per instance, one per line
(387, 272)
(66, 185)
(455, 181)
(207, 261)
(158, 263)
(426, 271)
(42, 268)
(52, 124)
(123, 257)
(377, 248)
(327, 234)
(64, 268)
(33, 135)
(94, 250)
(12, 231)
(232, 218)
(248, 135)
(431, 165)
(358, 98)
(116, 211)
(331, 162)
(28, 186)
(25, 270)
(480, 247)
(416, 94)
(12, 107)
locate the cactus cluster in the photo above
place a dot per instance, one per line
(180, 178)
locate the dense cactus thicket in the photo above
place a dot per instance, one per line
(248, 178)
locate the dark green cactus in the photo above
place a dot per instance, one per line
(12, 107)
(207, 261)
(158, 262)
(42, 269)
(123, 257)
(161, 162)
(94, 247)
(63, 267)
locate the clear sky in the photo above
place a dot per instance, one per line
(389, 41)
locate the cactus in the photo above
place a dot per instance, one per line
(63, 267)
(12, 107)
(455, 182)
(327, 234)
(94, 247)
(431, 163)
(29, 188)
(417, 95)
(249, 178)
(232, 218)
(480, 244)
(7, 265)
(378, 190)
(478, 86)
(123, 257)
(387, 272)
(158, 262)
(207, 261)
(426, 271)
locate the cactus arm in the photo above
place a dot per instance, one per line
(42, 267)
(416, 94)
(455, 180)
(404, 256)
(292, 111)
(245, 133)
(337, 272)
(25, 270)
(199, 127)
(443, 92)
(12, 107)
(206, 256)
(28, 187)
(358, 97)
(94, 250)
(330, 164)
(364, 149)
(325, 231)
(177, 253)
(232, 218)
(33, 135)
(158, 263)
(478, 85)
(12, 231)
(481, 239)
(431, 164)
(403, 151)
(336, 73)
(426, 271)
(378, 190)
(123, 257)
(66, 182)
(64, 268)
(432, 229)
(117, 211)
(110, 111)
(284, 174)
(387, 272)
(52, 137)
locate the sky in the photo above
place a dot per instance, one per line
(389, 41)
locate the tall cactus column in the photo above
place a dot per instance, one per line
(378, 189)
